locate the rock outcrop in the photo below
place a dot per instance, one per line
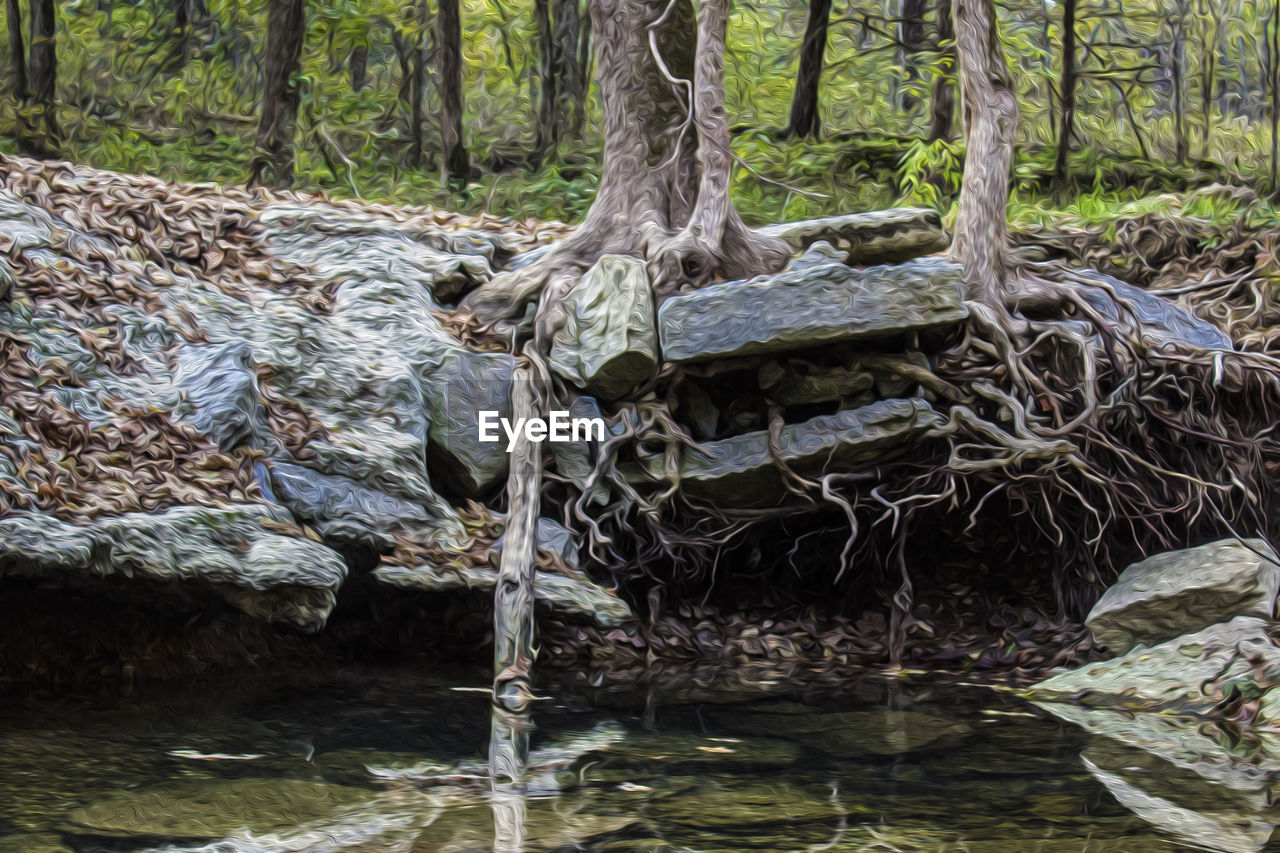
(818, 300)
(1179, 592)
(1221, 666)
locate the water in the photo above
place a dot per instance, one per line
(872, 764)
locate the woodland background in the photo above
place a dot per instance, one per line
(1119, 101)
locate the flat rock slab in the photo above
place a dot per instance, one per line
(1189, 674)
(250, 554)
(607, 343)
(463, 385)
(873, 237)
(741, 470)
(1178, 592)
(816, 301)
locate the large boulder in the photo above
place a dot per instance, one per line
(1200, 673)
(818, 300)
(607, 344)
(1179, 592)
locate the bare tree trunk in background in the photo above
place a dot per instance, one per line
(911, 35)
(453, 154)
(358, 67)
(286, 28)
(548, 128)
(1211, 38)
(991, 117)
(417, 86)
(942, 101)
(1177, 63)
(17, 51)
(570, 73)
(43, 72)
(664, 184)
(1066, 94)
(806, 121)
(1273, 84)
(584, 75)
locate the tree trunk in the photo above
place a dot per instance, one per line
(358, 67)
(417, 85)
(1177, 62)
(42, 80)
(1273, 84)
(991, 117)
(942, 101)
(911, 35)
(286, 28)
(584, 75)
(664, 185)
(17, 51)
(570, 74)
(805, 118)
(548, 62)
(1066, 94)
(453, 154)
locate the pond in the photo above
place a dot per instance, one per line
(388, 760)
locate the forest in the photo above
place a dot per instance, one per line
(493, 107)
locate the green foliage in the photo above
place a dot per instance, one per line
(929, 173)
(136, 96)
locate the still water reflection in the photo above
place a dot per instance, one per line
(394, 761)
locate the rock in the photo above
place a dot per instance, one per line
(1179, 592)
(874, 237)
(1206, 749)
(463, 385)
(816, 301)
(341, 509)
(1183, 805)
(607, 344)
(233, 550)
(795, 382)
(570, 594)
(218, 383)
(207, 808)
(1164, 324)
(554, 538)
(1190, 674)
(740, 469)
(576, 460)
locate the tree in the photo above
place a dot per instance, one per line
(561, 77)
(664, 183)
(1066, 93)
(42, 74)
(17, 52)
(911, 42)
(942, 101)
(454, 163)
(805, 119)
(990, 118)
(272, 163)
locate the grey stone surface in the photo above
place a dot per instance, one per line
(874, 237)
(234, 550)
(740, 470)
(463, 385)
(219, 387)
(341, 509)
(1190, 674)
(607, 344)
(1163, 323)
(816, 301)
(1179, 592)
(1190, 808)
